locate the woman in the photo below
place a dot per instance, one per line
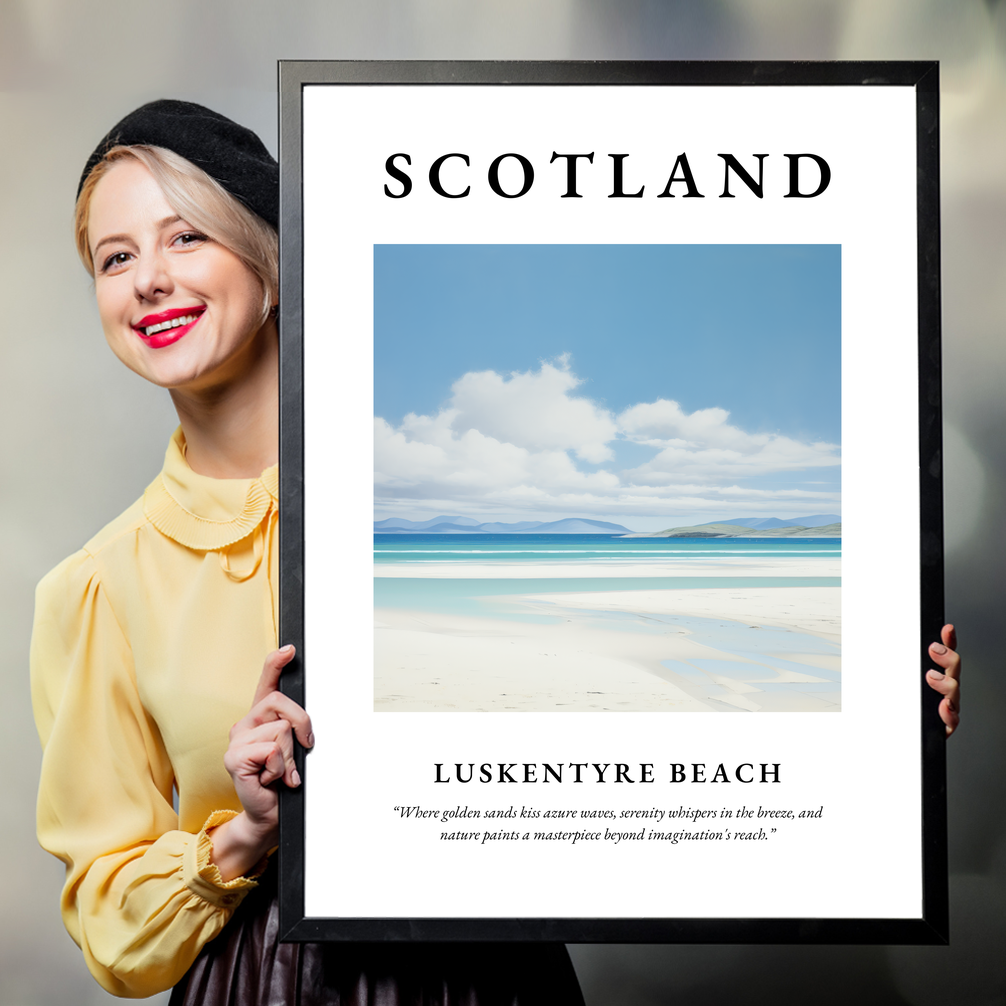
(149, 643)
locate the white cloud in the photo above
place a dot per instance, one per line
(534, 410)
(428, 454)
(511, 444)
(704, 443)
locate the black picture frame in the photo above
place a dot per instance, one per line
(931, 926)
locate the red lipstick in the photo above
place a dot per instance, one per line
(166, 327)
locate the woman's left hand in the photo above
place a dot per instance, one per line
(947, 682)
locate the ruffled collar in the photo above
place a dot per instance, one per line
(203, 513)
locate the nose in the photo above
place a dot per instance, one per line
(152, 276)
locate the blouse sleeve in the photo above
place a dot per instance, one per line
(141, 898)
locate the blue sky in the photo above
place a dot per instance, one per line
(754, 330)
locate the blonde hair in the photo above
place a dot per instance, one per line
(199, 200)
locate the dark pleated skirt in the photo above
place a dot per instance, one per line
(246, 965)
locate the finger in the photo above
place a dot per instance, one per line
(276, 706)
(278, 732)
(944, 684)
(274, 766)
(262, 761)
(948, 659)
(949, 636)
(950, 716)
(949, 708)
(271, 670)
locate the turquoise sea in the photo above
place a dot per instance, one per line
(419, 548)
(473, 596)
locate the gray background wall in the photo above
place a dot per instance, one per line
(82, 436)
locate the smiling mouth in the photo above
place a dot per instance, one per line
(167, 324)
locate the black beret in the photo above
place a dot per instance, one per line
(231, 154)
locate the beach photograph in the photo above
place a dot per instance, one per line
(607, 478)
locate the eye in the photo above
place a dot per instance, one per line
(189, 239)
(115, 261)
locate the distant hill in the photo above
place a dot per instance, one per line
(580, 525)
(443, 529)
(743, 531)
(401, 524)
(494, 527)
(828, 531)
(816, 520)
(817, 526)
(466, 525)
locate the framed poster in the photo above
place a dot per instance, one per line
(610, 420)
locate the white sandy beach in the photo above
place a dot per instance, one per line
(813, 610)
(587, 661)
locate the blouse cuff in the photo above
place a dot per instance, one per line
(202, 876)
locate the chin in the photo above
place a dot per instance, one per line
(194, 378)
(173, 374)
(195, 365)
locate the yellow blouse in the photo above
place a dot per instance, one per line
(147, 647)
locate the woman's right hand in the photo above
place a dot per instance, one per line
(259, 754)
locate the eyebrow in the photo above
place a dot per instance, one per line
(111, 238)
